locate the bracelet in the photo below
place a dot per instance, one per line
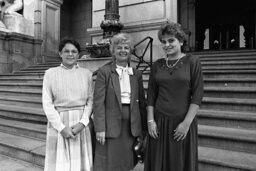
(151, 121)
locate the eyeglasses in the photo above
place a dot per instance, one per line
(72, 52)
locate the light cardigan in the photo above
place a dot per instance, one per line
(67, 89)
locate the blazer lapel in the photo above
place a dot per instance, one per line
(133, 80)
(116, 84)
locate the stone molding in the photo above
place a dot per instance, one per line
(55, 2)
(132, 27)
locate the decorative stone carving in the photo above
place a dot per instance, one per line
(9, 7)
(17, 16)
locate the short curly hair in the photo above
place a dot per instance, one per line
(70, 40)
(119, 39)
(173, 29)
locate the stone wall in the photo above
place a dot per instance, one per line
(18, 51)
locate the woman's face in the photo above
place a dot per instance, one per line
(122, 53)
(69, 55)
(171, 45)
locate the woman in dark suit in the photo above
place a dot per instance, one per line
(119, 109)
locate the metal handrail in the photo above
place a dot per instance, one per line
(141, 58)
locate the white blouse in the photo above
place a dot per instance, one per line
(124, 80)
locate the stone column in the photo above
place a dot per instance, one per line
(171, 10)
(50, 28)
(111, 24)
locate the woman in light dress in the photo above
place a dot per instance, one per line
(67, 103)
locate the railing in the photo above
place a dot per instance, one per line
(141, 57)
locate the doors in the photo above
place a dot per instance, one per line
(220, 24)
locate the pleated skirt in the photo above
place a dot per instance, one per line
(167, 154)
(117, 153)
(64, 154)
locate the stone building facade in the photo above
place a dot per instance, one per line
(47, 21)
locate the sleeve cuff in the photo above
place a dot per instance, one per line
(61, 127)
(85, 122)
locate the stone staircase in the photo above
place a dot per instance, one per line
(227, 118)
(22, 120)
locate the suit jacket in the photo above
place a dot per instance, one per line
(107, 105)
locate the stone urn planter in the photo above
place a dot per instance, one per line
(98, 50)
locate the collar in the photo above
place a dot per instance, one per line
(127, 69)
(75, 66)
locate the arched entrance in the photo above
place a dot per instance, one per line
(218, 24)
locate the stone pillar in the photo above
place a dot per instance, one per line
(111, 24)
(50, 29)
(171, 10)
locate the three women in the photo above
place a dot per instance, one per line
(175, 92)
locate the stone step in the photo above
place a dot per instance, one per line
(12, 164)
(21, 85)
(229, 74)
(21, 128)
(230, 63)
(21, 92)
(28, 72)
(225, 54)
(234, 119)
(230, 82)
(230, 92)
(49, 64)
(212, 159)
(232, 104)
(21, 80)
(41, 69)
(43, 66)
(22, 148)
(229, 67)
(242, 140)
(21, 101)
(232, 57)
(21, 113)
(23, 76)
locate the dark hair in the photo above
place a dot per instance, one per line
(173, 29)
(72, 41)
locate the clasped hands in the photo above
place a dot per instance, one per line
(71, 132)
(180, 132)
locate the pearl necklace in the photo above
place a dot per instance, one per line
(173, 65)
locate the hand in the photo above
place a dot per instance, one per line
(77, 128)
(181, 131)
(100, 136)
(152, 129)
(67, 133)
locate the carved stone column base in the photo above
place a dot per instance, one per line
(18, 24)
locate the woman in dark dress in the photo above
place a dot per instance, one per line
(175, 92)
(118, 109)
